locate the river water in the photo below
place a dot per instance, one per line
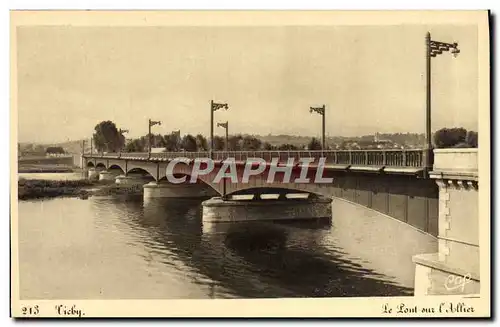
(125, 248)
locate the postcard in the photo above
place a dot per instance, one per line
(250, 164)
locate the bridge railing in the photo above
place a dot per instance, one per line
(390, 158)
(181, 154)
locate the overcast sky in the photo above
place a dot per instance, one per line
(371, 79)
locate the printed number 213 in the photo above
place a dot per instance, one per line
(30, 311)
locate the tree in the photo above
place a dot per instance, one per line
(471, 139)
(172, 142)
(251, 143)
(267, 146)
(107, 137)
(28, 147)
(201, 143)
(287, 147)
(315, 144)
(55, 150)
(157, 141)
(236, 143)
(189, 143)
(136, 145)
(449, 137)
(219, 143)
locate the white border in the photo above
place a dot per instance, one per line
(214, 4)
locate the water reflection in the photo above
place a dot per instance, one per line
(123, 247)
(258, 259)
(307, 270)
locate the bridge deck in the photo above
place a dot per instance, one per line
(389, 161)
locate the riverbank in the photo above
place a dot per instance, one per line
(44, 169)
(46, 160)
(83, 188)
(37, 188)
(27, 168)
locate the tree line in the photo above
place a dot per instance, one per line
(107, 138)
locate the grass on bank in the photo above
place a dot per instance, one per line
(38, 189)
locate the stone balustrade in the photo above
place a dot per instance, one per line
(380, 158)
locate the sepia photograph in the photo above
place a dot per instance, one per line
(250, 164)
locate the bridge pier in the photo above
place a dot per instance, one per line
(107, 176)
(454, 269)
(216, 210)
(93, 173)
(130, 180)
(168, 190)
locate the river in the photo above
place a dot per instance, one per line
(124, 248)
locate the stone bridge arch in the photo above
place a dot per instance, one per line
(317, 189)
(405, 198)
(187, 189)
(276, 190)
(116, 168)
(101, 165)
(255, 182)
(114, 164)
(101, 162)
(148, 173)
(151, 170)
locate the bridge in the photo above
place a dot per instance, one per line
(413, 159)
(441, 200)
(389, 181)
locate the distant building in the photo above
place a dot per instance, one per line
(380, 143)
(377, 139)
(350, 145)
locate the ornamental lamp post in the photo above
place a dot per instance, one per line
(214, 107)
(178, 140)
(322, 112)
(121, 131)
(433, 49)
(226, 127)
(83, 153)
(151, 123)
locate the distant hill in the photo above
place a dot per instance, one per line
(71, 147)
(410, 139)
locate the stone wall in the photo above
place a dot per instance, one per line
(454, 269)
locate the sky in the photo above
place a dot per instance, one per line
(371, 79)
